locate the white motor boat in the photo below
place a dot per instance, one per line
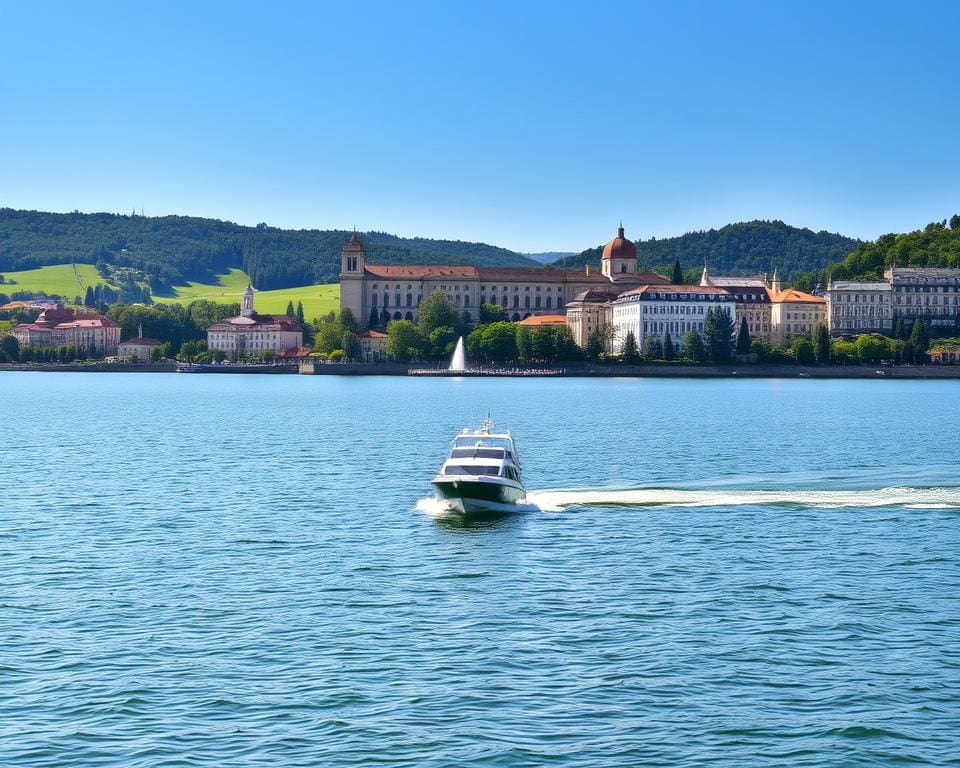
(481, 472)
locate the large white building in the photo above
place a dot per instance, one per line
(250, 333)
(377, 293)
(859, 307)
(751, 297)
(665, 310)
(928, 293)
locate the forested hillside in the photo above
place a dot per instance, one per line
(173, 249)
(746, 248)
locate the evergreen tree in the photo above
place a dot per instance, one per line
(667, 347)
(374, 320)
(955, 221)
(598, 342)
(290, 312)
(10, 347)
(351, 346)
(649, 349)
(348, 321)
(743, 338)
(630, 351)
(907, 355)
(718, 328)
(920, 341)
(899, 330)
(693, 348)
(90, 300)
(677, 275)
(300, 317)
(821, 345)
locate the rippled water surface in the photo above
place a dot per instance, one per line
(244, 570)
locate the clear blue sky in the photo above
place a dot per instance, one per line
(536, 126)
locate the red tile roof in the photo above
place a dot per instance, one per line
(795, 296)
(142, 342)
(373, 335)
(545, 320)
(493, 274)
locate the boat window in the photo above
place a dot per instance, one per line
(454, 469)
(477, 453)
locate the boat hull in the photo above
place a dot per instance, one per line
(471, 495)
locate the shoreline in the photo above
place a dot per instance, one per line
(573, 370)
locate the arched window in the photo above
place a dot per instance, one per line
(466, 300)
(526, 302)
(516, 316)
(386, 299)
(397, 316)
(538, 302)
(516, 301)
(549, 302)
(409, 299)
(408, 316)
(623, 267)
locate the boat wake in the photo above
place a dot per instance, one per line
(555, 500)
(909, 498)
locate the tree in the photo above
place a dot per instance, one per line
(630, 351)
(900, 330)
(652, 348)
(90, 299)
(290, 312)
(494, 342)
(10, 347)
(955, 221)
(718, 328)
(667, 347)
(348, 321)
(437, 311)
(300, 318)
(492, 313)
(351, 346)
(802, 349)
(872, 348)
(404, 340)
(821, 345)
(677, 275)
(442, 341)
(920, 341)
(524, 343)
(693, 348)
(156, 354)
(598, 342)
(374, 319)
(743, 338)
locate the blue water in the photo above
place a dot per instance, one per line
(244, 571)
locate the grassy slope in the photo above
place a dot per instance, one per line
(317, 299)
(59, 279)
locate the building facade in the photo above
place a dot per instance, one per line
(751, 298)
(664, 310)
(138, 349)
(251, 334)
(859, 307)
(95, 334)
(586, 313)
(377, 293)
(794, 313)
(928, 293)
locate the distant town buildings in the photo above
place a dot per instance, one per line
(95, 334)
(137, 349)
(373, 346)
(251, 333)
(931, 294)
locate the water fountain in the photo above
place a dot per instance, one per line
(458, 363)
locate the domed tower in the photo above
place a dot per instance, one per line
(246, 309)
(619, 257)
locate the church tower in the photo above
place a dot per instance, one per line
(619, 257)
(705, 277)
(246, 309)
(351, 277)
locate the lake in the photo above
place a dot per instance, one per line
(246, 570)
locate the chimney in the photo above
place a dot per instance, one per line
(587, 269)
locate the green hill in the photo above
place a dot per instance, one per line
(746, 248)
(174, 250)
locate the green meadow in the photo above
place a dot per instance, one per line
(64, 280)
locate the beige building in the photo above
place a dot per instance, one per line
(250, 333)
(376, 293)
(373, 345)
(138, 349)
(859, 307)
(586, 313)
(794, 313)
(95, 334)
(930, 293)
